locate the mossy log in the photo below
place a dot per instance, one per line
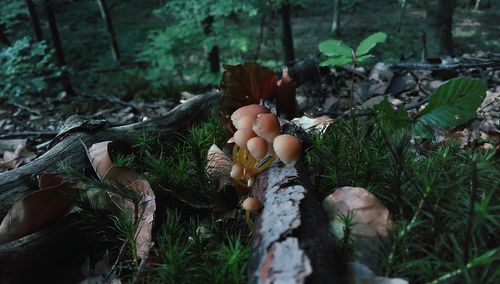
(291, 242)
(16, 184)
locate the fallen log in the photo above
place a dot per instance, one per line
(291, 242)
(68, 148)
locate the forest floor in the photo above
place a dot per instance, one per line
(28, 123)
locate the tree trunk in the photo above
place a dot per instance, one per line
(35, 23)
(106, 16)
(336, 17)
(213, 56)
(16, 184)
(3, 37)
(438, 39)
(56, 41)
(287, 37)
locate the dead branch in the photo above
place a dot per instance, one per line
(291, 243)
(16, 184)
(444, 67)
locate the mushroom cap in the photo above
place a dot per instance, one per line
(248, 110)
(257, 146)
(251, 204)
(245, 121)
(267, 126)
(237, 171)
(242, 135)
(287, 148)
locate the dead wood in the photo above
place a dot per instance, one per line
(291, 242)
(16, 184)
(444, 67)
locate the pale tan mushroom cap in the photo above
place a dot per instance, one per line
(251, 204)
(245, 121)
(241, 136)
(249, 110)
(267, 126)
(287, 148)
(257, 146)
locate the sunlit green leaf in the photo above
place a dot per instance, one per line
(370, 42)
(334, 47)
(336, 61)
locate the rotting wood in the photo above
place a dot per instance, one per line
(16, 184)
(291, 243)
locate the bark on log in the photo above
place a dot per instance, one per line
(16, 184)
(291, 242)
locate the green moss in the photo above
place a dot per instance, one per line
(428, 192)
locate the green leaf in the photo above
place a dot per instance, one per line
(334, 47)
(397, 118)
(336, 61)
(363, 59)
(454, 102)
(370, 42)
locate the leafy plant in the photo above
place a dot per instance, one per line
(340, 54)
(175, 52)
(24, 67)
(453, 103)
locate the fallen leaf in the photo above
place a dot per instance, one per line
(20, 156)
(38, 209)
(245, 84)
(109, 173)
(219, 167)
(319, 124)
(372, 223)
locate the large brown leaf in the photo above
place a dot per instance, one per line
(245, 84)
(108, 172)
(372, 222)
(38, 209)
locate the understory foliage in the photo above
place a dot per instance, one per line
(441, 197)
(198, 28)
(24, 67)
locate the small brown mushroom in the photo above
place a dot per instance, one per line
(267, 126)
(251, 204)
(241, 136)
(287, 148)
(257, 146)
(237, 171)
(249, 110)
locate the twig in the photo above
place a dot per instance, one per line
(444, 67)
(27, 134)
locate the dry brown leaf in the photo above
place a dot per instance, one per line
(319, 124)
(372, 223)
(37, 210)
(106, 171)
(219, 167)
(20, 156)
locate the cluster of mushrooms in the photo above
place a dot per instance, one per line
(258, 142)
